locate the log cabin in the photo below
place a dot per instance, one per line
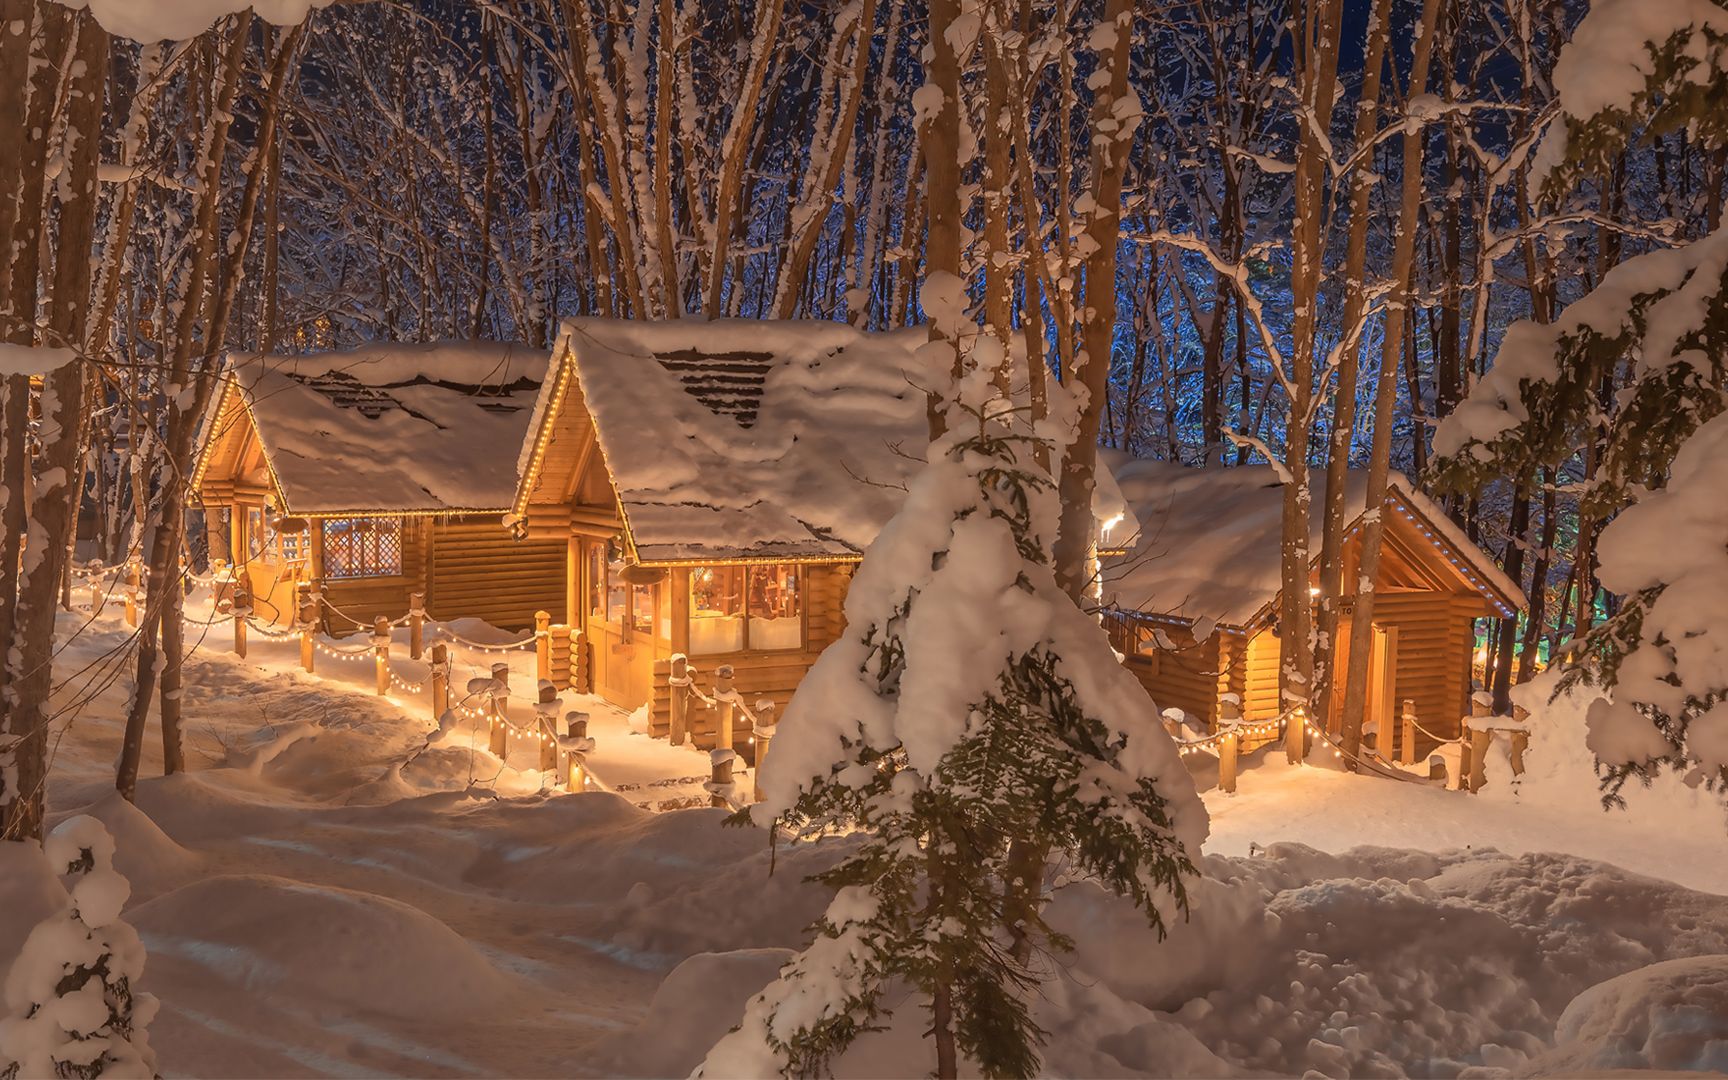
(1193, 601)
(378, 474)
(712, 485)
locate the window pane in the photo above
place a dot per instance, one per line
(362, 547)
(642, 608)
(596, 582)
(776, 608)
(716, 609)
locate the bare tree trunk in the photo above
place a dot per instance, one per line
(30, 659)
(1385, 390)
(1332, 503)
(1319, 59)
(943, 291)
(738, 141)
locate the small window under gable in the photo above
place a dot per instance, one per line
(362, 547)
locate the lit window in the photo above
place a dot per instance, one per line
(716, 609)
(362, 547)
(733, 608)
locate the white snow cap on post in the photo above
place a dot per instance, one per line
(177, 20)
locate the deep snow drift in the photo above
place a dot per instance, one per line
(311, 905)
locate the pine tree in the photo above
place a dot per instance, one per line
(1641, 363)
(971, 712)
(74, 1012)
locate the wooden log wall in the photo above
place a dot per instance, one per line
(1433, 656)
(1185, 679)
(478, 571)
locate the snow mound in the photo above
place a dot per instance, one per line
(272, 937)
(148, 857)
(30, 891)
(701, 1000)
(1671, 1016)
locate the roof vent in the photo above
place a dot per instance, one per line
(728, 384)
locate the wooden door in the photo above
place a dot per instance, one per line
(622, 648)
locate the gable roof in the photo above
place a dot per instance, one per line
(1210, 541)
(743, 438)
(385, 427)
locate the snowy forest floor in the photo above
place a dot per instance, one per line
(319, 899)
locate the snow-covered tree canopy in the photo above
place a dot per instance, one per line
(177, 20)
(1635, 371)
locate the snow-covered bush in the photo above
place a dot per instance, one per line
(73, 1010)
(974, 723)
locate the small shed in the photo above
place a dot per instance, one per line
(1193, 601)
(712, 485)
(378, 473)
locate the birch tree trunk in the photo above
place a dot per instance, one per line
(1115, 116)
(23, 759)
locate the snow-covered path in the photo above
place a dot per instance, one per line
(325, 894)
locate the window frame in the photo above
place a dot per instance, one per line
(747, 608)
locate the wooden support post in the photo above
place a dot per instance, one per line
(546, 726)
(95, 596)
(542, 645)
(724, 701)
(1227, 747)
(1479, 740)
(720, 777)
(1520, 740)
(500, 706)
(580, 745)
(416, 624)
(679, 684)
(242, 609)
(381, 645)
(1407, 736)
(440, 681)
(1476, 739)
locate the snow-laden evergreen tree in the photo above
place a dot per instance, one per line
(1638, 365)
(74, 1012)
(972, 721)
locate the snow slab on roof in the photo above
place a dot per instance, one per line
(394, 427)
(1209, 539)
(744, 438)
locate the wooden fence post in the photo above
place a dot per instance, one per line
(724, 699)
(546, 725)
(416, 624)
(381, 644)
(500, 705)
(242, 609)
(764, 735)
(542, 645)
(133, 576)
(308, 619)
(1227, 746)
(440, 681)
(580, 745)
(720, 776)
(679, 683)
(1477, 739)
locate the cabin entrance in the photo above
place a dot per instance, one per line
(272, 561)
(1379, 712)
(626, 622)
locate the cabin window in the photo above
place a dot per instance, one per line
(362, 547)
(255, 531)
(617, 592)
(733, 608)
(716, 609)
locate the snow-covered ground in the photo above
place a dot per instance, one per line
(324, 894)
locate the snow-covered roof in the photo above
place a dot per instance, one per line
(1209, 542)
(748, 439)
(392, 427)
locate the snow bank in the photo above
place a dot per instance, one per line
(700, 1001)
(29, 892)
(1671, 1017)
(147, 856)
(275, 938)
